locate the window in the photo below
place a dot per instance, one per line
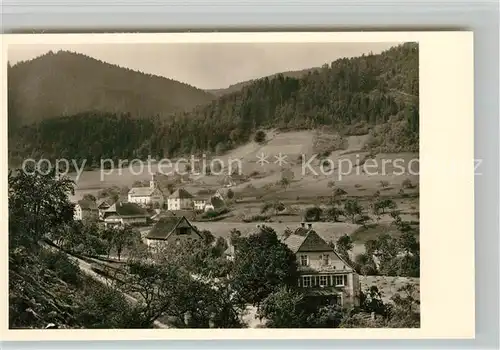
(183, 230)
(323, 281)
(306, 281)
(325, 259)
(304, 261)
(339, 280)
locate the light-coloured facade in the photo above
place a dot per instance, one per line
(78, 214)
(146, 196)
(199, 204)
(180, 200)
(322, 272)
(85, 210)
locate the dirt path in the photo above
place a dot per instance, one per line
(86, 268)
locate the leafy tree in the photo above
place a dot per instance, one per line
(234, 236)
(89, 197)
(108, 308)
(352, 208)
(384, 183)
(384, 204)
(343, 246)
(333, 213)
(371, 301)
(406, 183)
(338, 192)
(365, 265)
(126, 237)
(284, 182)
(283, 309)
(208, 237)
(262, 265)
(313, 214)
(260, 136)
(220, 246)
(38, 206)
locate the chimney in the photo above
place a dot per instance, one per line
(310, 226)
(303, 224)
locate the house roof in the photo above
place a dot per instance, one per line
(294, 242)
(127, 209)
(165, 226)
(87, 204)
(141, 191)
(311, 242)
(105, 202)
(188, 214)
(181, 193)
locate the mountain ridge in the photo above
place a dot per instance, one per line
(240, 85)
(68, 83)
(373, 94)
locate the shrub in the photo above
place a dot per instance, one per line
(64, 268)
(260, 136)
(254, 218)
(407, 183)
(313, 214)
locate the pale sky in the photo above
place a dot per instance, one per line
(208, 66)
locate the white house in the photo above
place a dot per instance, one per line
(199, 204)
(180, 200)
(149, 195)
(85, 210)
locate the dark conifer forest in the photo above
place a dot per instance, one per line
(376, 94)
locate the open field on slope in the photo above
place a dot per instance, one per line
(306, 188)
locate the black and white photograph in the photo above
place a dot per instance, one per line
(213, 185)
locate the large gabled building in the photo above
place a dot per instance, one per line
(120, 214)
(172, 230)
(180, 200)
(147, 195)
(323, 273)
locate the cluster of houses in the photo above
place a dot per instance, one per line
(138, 207)
(323, 273)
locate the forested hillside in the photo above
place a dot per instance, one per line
(375, 94)
(67, 83)
(239, 86)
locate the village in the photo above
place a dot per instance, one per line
(304, 212)
(320, 266)
(170, 210)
